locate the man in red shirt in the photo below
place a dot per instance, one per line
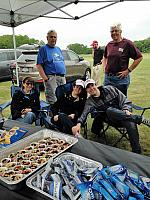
(116, 59)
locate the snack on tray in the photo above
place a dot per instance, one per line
(30, 158)
(60, 177)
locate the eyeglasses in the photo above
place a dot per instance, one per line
(53, 37)
(115, 31)
(29, 83)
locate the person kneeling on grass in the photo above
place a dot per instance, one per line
(25, 102)
(114, 106)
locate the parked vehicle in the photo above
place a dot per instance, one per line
(76, 66)
(7, 57)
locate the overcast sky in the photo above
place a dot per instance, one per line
(134, 17)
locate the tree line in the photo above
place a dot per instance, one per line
(6, 42)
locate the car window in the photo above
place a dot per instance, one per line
(25, 57)
(10, 56)
(3, 56)
(73, 56)
(19, 53)
(65, 55)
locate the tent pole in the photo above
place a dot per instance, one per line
(15, 52)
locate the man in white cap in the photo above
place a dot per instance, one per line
(115, 107)
(68, 108)
(97, 53)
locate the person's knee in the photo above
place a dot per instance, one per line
(109, 111)
(62, 116)
(30, 117)
(30, 114)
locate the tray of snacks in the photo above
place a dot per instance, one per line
(58, 179)
(23, 158)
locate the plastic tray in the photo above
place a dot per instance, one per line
(82, 161)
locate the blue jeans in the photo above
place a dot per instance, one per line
(120, 84)
(28, 118)
(120, 118)
(64, 123)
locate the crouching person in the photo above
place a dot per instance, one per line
(114, 106)
(68, 108)
(25, 102)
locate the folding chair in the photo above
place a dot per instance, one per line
(64, 89)
(120, 129)
(43, 118)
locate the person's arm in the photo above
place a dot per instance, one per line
(124, 103)
(76, 129)
(104, 62)
(16, 107)
(135, 64)
(41, 72)
(41, 62)
(35, 105)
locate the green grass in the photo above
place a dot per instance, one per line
(138, 93)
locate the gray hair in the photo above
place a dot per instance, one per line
(51, 31)
(116, 25)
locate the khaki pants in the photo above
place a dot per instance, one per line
(50, 87)
(96, 74)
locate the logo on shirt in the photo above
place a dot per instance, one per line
(120, 49)
(57, 57)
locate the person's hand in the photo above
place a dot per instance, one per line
(56, 118)
(123, 74)
(25, 111)
(76, 129)
(71, 116)
(128, 112)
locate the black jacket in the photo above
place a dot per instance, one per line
(69, 105)
(98, 56)
(21, 101)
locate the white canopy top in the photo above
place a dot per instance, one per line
(16, 12)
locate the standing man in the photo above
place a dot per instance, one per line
(51, 66)
(116, 59)
(97, 53)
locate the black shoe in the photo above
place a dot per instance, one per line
(137, 119)
(146, 121)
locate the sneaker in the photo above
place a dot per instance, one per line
(146, 121)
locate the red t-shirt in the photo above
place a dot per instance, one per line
(118, 55)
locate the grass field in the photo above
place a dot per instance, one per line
(138, 93)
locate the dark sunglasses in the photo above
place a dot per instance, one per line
(29, 83)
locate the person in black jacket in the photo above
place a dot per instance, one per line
(69, 107)
(25, 103)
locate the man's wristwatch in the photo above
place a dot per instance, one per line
(129, 70)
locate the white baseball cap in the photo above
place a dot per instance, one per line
(79, 82)
(88, 81)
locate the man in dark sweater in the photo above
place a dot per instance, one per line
(115, 106)
(97, 53)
